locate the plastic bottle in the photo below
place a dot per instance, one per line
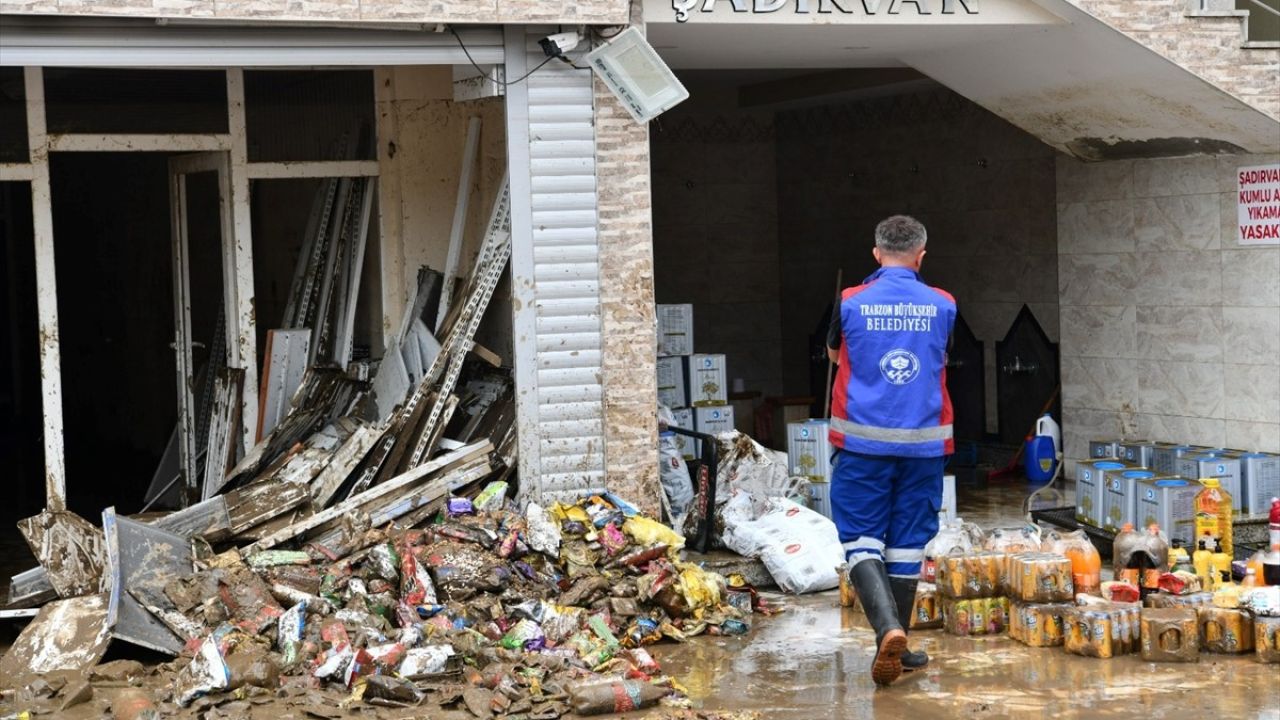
(1179, 560)
(1086, 563)
(1156, 548)
(1250, 579)
(1203, 561)
(1221, 567)
(1123, 548)
(1271, 566)
(1213, 513)
(1255, 565)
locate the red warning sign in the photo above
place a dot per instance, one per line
(1258, 205)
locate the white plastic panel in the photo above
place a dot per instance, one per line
(101, 42)
(555, 266)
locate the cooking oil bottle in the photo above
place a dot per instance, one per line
(1213, 514)
(1202, 560)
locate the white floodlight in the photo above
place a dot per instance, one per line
(631, 68)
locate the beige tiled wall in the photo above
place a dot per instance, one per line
(1170, 328)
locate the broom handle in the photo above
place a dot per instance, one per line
(826, 402)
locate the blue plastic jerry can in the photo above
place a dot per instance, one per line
(1042, 453)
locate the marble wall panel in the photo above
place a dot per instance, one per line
(1188, 334)
(1182, 429)
(1108, 331)
(1104, 226)
(1262, 437)
(1085, 425)
(1251, 335)
(1177, 278)
(1180, 388)
(1181, 222)
(1085, 182)
(1251, 277)
(1101, 383)
(1164, 177)
(1252, 393)
(1096, 279)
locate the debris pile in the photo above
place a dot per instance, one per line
(483, 608)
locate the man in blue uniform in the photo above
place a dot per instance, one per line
(891, 427)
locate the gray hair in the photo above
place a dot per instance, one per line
(900, 234)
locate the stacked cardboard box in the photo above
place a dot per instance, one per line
(693, 385)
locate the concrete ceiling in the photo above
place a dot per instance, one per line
(1074, 82)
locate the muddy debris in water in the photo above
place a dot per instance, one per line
(460, 616)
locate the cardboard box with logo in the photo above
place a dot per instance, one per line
(675, 329)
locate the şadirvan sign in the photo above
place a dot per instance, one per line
(1258, 204)
(685, 8)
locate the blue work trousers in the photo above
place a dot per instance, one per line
(886, 508)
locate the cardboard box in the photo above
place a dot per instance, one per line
(707, 380)
(1260, 475)
(684, 419)
(1089, 488)
(1226, 469)
(1120, 495)
(809, 450)
(675, 329)
(1170, 503)
(672, 389)
(712, 420)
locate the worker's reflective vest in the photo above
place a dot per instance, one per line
(890, 395)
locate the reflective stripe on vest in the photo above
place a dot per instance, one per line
(893, 435)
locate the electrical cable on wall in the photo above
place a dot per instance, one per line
(484, 75)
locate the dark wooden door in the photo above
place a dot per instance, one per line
(1027, 377)
(966, 382)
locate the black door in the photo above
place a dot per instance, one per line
(966, 382)
(1026, 377)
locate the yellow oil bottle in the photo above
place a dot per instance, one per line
(1213, 514)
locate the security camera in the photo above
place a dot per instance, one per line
(557, 44)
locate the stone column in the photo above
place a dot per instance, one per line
(626, 299)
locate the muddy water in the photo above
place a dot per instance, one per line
(813, 661)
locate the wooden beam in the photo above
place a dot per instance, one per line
(88, 142)
(238, 291)
(310, 169)
(55, 471)
(398, 483)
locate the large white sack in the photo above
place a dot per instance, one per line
(800, 548)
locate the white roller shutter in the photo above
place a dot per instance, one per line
(96, 42)
(555, 267)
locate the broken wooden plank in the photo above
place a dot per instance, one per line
(69, 548)
(207, 519)
(142, 559)
(344, 461)
(66, 636)
(394, 485)
(255, 504)
(486, 354)
(420, 512)
(423, 499)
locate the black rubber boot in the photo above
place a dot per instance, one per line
(904, 596)
(872, 583)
